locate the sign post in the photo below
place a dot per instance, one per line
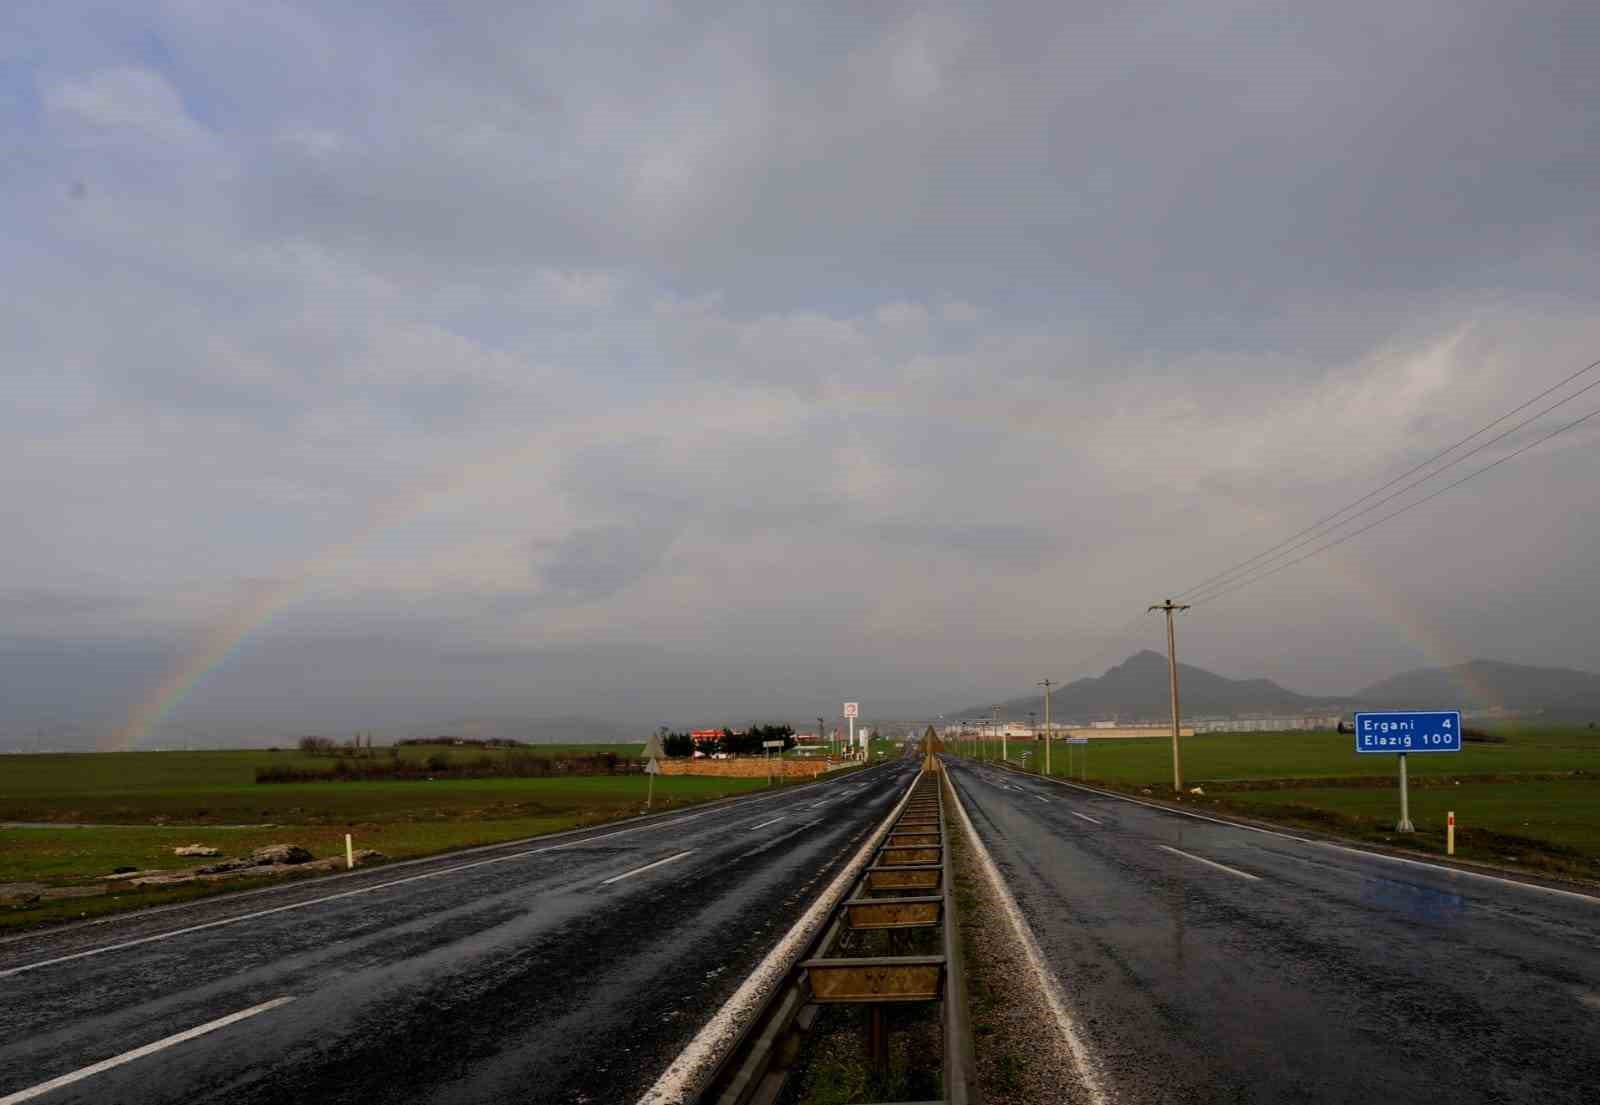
(652, 766)
(851, 709)
(1083, 757)
(769, 746)
(1402, 732)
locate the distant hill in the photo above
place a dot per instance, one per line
(1136, 689)
(1487, 684)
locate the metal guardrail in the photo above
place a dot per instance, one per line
(909, 884)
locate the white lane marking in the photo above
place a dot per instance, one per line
(1210, 863)
(718, 1034)
(140, 1052)
(1088, 1069)
(637, 824)
(814, 805)
(646, 867)
(764, 824)
(1041, 798)
(359, 890)
(1439, 867)
(1085, 817)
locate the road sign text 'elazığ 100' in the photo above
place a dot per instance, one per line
(1394, 731)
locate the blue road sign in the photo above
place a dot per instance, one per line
(1409, 731)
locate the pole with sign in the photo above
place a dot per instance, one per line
(1403, 732)
(769, 746)
(652, 766)
(851, 709)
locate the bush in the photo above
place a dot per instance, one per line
(316, 746)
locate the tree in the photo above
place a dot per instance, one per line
(677, 745)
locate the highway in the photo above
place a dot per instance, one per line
(564, 969)
(1205, 962)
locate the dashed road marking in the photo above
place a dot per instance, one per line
(1210, 863)
(646, 867)
(1085, 817)
(140, 1052)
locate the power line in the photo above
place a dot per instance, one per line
(1245, 582)
(1474, 451)
(1218, 580)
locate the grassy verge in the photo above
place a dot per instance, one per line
(399, 819)
(1532, 801)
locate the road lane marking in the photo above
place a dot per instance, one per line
(1083, 1058)
(712, 1041)
(1041, 798)
(646, 867)
(764, 824)
(1210, 863)
(1085, 817)
(1442, 869)
(121, 945)
(636, 824)
(140, 1052)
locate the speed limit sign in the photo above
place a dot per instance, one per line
(852, 709)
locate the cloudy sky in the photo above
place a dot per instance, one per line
(366, 363)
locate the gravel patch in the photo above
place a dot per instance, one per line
(1021, 1059)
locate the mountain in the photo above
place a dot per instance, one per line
(1488, 684)
(1136, 690)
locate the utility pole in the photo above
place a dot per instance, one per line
(995, 710)
(1170, 608)
(1045, 683)
(819, 737)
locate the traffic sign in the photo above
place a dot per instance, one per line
(1077, 740)
(771, 744)
(852, 709)
(652, 747)
(1409, 731)
(652, 767)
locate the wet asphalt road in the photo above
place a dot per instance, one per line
(1331, 976)
(526, 977)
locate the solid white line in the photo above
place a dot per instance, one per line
(140, 1052)
(722, 1030)
(1041, 798)
(1210, 863)
(635, 824)
(359, 890)
(1086, 817)
(764, 824)
(1439, 867)
(1088, 1069)
(646, 867)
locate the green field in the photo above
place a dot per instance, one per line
(1532, 801)
(137, 806)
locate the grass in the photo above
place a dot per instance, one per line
(1548, 826)
(137, 806)
(1212, 758)
(1532, 801)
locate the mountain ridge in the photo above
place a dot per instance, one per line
(1137, 690)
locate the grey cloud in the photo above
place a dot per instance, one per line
(596, 562)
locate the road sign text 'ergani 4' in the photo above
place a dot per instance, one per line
(1409, 731)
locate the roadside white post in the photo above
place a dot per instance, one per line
(349, 853)
(1450, 833)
